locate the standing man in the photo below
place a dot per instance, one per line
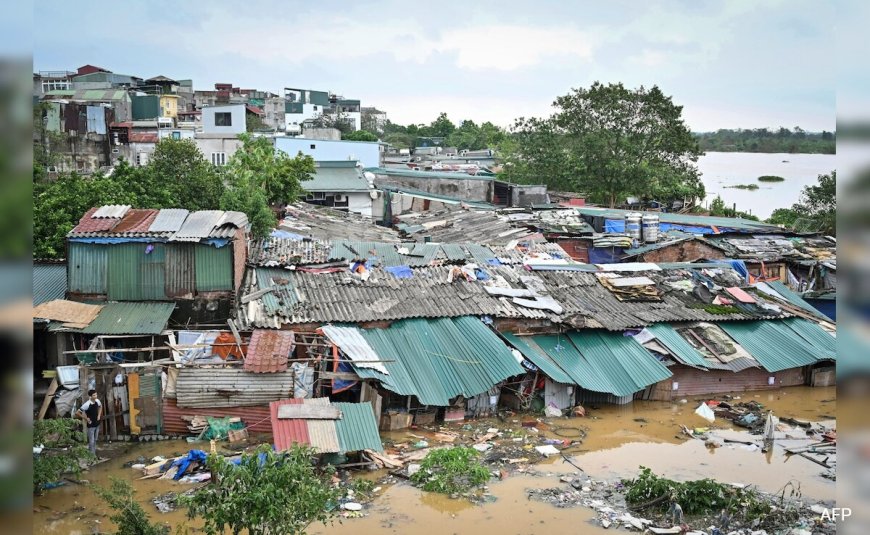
(92, 410)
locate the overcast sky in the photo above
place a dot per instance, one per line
(729, 64)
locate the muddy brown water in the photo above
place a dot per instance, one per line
(618, 440)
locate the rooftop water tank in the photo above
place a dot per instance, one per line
(632, 225)
(650, 224)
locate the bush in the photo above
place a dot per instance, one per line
(770, 178)
(129, 516)
(451, 471)
(63, 447)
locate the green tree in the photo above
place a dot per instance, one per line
(275, 172)
(784, 216)
(360, 135)
(269, 492)
(333, 118)
(63, 443)
(440, 127)
(820, 202)
(610, 142)
(254, 123)
(129, 517)
(190, 180)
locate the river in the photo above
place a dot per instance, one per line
(721, 169)
(619, 439)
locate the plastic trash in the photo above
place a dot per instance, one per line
(482, 447)
(547, 450)
(705, 412)
(352, 506)
(421, 444)
(552, 412)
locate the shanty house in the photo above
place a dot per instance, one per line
(194, 259)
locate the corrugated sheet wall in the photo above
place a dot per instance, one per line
(135, 273)
(87, 268)
(255, 418)
(213, 388)
(214, 268)
(180, 265)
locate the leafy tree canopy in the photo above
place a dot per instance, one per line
(816, 210)
(609, 142)
(360, 135)
(64, 446)
(269, 492)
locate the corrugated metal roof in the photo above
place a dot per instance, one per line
(822, 341)
(684, 219)
(460, 225)
(678, 345)
(322, 434)
(88, 223)
(135, 221)
(198, 225)
(355, 347)
(626, 364)
(169, 220)
(113, 211)
(268, 351)
(337, 179)
(410, 173)
(131, 318)
(256, 419)
(793, 297)
(286, 432)
(437, 360)
(358, 429)
(325, 223)
(774, 348)
(49, 282)
(230, 387)
(277, 252)
(539, 359)
(563, 352)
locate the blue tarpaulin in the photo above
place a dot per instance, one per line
(340, 385)
(286, 235)
(605, 255)
(740, 267)
(493, 261)
(184, 462)
(614, 225)
(400, 272)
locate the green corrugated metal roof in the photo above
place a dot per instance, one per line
(620, 359)
(812, 332)
(794, 298)
(678, 345)
(563, 352)
(539, 359)
(131, 318)
(771, 346)
(684, 219)
(357, 429)
(49, 282)
(337, 179)
(437, 360)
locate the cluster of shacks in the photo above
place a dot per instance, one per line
(172, 314)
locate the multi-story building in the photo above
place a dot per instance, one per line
(302, 105)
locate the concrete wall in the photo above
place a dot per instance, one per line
(275, 116)
(577, 248)
(326, 134)
(324, 151)
(131, 152)
(238, 120)
(293, 121)
(470, 189)
(528, 195)
(212, 144)
(687, 251)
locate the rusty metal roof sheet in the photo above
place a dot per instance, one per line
(169, 220)
(198, 225)
(135, 221)
(88, 223)
(268, 351)
(286, 432)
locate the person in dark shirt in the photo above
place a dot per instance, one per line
(92, 411)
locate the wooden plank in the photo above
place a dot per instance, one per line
(308, 412)
(343, 376)
(52, 388)
(133, 400)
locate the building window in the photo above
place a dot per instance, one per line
(219, 158)
(223, 119)
(176, 135)
(315, 108)
(313, 146)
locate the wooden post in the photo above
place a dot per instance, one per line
(52, 388)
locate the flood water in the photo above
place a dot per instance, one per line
(721, 169)
(618, 440)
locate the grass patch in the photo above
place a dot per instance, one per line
(744, 186)
(770, 178)
(451, 471)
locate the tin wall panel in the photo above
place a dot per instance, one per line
(214, 268)
(136, 272)
(88, 265)
(180, 265)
